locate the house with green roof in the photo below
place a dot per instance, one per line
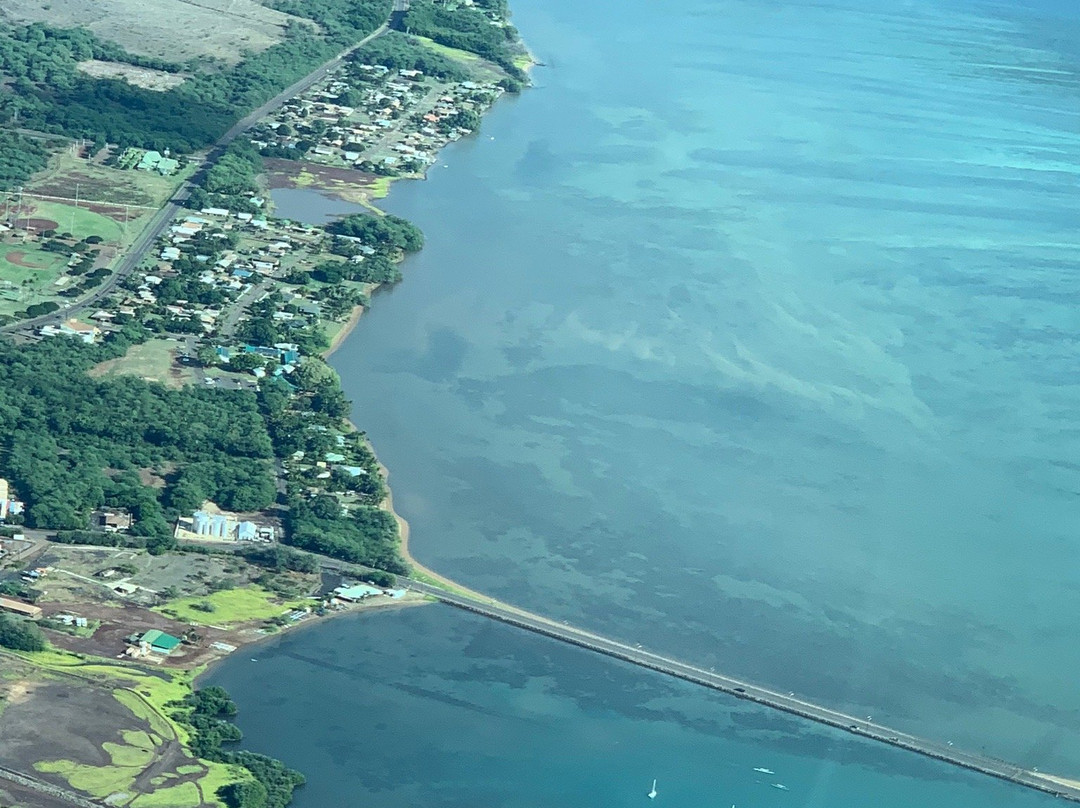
(159, 642)
(149, 161)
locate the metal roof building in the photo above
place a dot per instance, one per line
(357, 592)
(160, 641)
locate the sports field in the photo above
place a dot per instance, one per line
(28, 275)
(79, 221)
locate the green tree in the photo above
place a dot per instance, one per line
(20, 635)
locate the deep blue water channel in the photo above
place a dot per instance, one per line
(748, 334)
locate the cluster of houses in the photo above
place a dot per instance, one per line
(325, 468)
(398, 126)
(233, 271)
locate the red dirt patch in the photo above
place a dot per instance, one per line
(118, 213)
(38, 225)
(18, 258)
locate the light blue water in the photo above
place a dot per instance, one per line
(750, 335)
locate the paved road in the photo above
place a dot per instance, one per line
(250, 295)
(160, 222)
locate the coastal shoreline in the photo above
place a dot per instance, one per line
(344, 331)
(362, 608)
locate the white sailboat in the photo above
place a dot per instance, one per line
(764, 770)
(652, 793)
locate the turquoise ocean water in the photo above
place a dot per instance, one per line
(749, 334)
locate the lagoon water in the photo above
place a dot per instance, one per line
(749, 334)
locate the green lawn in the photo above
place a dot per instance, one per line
(99, 781)
(80, 222)
(21, 285)
(229, 606)
(127, 756)
(447, 51)
(181, 796)
(44, 266)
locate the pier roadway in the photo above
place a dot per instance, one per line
(788, 703)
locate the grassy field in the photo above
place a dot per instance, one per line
(447, 51)
(482, 69)
(380, 187)
(79, 221)
(68, 175)
(22, 285)
(185, 794)
(228, 607)
(151, 360)
(98, 781)
(44, 267)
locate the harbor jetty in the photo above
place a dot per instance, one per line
(787, 703)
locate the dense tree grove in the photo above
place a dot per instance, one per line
(341, 18)
(20, 635)
(20, 156)
(207, 712)
(278, 558)
(382, 232)
(364, 535)
(72, 443)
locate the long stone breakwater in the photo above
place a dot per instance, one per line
(788, 703)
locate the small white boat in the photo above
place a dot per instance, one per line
(652, 793)
(764, 771)
(780, 786)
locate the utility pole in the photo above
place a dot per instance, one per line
(18, 211)
(71, 229)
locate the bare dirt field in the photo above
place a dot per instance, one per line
(69, 731)
(38, 225)
(76, 715)
(176, 30)
(344, 183)
(118, 622)
(15, 794)
(143, 77)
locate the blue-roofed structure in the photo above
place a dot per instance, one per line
(246, 531)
